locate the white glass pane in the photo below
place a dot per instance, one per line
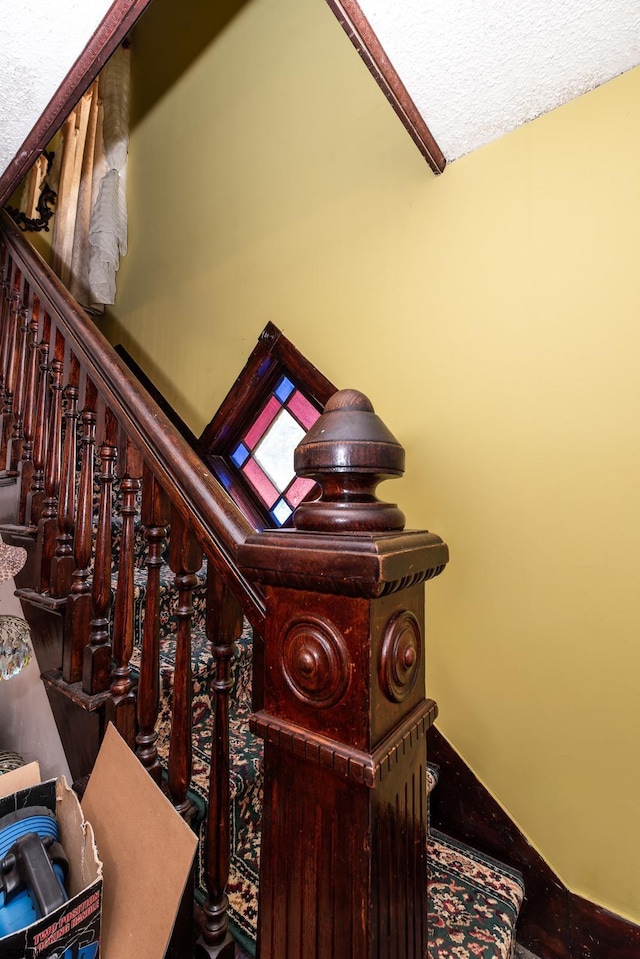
(274, 452)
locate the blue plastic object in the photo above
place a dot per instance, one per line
(31, 885)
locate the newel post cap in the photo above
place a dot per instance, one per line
(348, 452)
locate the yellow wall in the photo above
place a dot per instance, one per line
(493, 315)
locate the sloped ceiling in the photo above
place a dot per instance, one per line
(477, 69)
(40, 42)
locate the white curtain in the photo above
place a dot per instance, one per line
(90, 225)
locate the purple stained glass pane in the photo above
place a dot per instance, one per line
(284, 389)
(261, 484)
(303, 410)
(298, 490)
(240, 454)
(281, 512)
(264, 420)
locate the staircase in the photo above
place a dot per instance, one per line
(473, 900)
(218, 650)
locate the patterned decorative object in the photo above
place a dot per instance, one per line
(315, 662)
(12, 559)
(400, 656)
(15, 649)
(9, 761)
(473, 902)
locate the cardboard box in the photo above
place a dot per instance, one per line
(72, 930)
(135, 885)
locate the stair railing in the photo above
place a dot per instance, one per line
(58, 371)
(345, 713)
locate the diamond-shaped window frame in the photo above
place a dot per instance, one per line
(220, 444)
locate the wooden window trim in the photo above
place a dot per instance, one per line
(272, 356)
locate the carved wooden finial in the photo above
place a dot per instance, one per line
(348, 451)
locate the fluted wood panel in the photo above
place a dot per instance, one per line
(314, 899)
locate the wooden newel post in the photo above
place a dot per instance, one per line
(343, 856)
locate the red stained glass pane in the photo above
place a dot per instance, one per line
(298, 490)
(303, 410)
(260, 426)
(264, 488)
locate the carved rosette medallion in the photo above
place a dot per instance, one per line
(400, 656)
(316, 662)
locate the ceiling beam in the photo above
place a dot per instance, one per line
(364, 39)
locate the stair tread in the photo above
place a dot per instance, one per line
(473, 902)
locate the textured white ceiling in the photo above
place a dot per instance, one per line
(477, 69)
(41, 40)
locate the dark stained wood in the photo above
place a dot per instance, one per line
(25, 467)
(5, 292)
(11, 274)
(224, 626)
(272, 355)
(63, 563)
(35, 497)
(364, 39)
(80, 722)
(96, 669)
(185, 559)
(345, 717)
(121, 705)
(10, 363)
(79, 609)
(597, 933)
(155, 517)
(48, 523)
(113, 29)
(16, 440)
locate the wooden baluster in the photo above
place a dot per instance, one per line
(48, 524)
(4, 259)
(25, 466)
(5, 266)
(15, 304)
(14, 450)
(5, 272)
(96, 667)
(224, 626)
(8, 275)
(78, 612)
(121, 705)
(63, 564)
(155, 516)
(185, 559)
(35, 498)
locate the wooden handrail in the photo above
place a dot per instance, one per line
(202, 501)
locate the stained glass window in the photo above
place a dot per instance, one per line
(264, 455)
